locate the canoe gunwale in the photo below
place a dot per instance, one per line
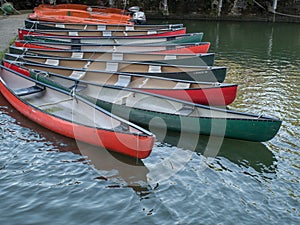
(37, 22)
(262, 117)
(116, 61)
(24, 49)
(216, 74)
(73, 95)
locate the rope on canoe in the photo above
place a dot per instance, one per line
(56, 103)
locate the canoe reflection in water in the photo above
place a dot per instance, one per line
(120, 170)
(130, 172)
(243, 153)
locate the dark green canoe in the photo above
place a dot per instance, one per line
(181, 39)
(181, 72)
(155, 111)
(206, 59)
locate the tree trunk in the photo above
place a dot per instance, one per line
(234, 10)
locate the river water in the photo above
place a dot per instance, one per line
(49, 179)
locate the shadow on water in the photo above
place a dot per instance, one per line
(243, 153)
(130, 172)
(124, 171)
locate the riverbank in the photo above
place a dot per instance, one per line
(265, 17)
(9, 29)
(9, 24)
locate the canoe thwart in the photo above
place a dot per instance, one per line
(77, 74)
(59, 25)
(186, 110)
(123, 99)
(117, 56)
(101, 27)
(167, 57)
(52, 62)
(73, 33)
(129, 28)
(29, 90)
(106, 33)
(154, 69)
(123, 81)
(112, 66)
(181, 85)
(77, 55)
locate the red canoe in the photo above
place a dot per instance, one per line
(65, 114)
(201, 47)
(94, 33)
(205, 93)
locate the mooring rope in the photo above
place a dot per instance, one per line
(283, 14)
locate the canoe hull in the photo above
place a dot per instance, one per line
(215, 95)
(207, 74)
(33, 24)
(210, 96)
(135, 146)
(174, 39)
(184, 49)
(189, 60)
(166, 116)
(250, 130)
(106, 34)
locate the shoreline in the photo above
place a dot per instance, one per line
(9, 29)
(268, 17)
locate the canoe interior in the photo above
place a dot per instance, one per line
(105, 33)
(130, 81)
(61, 105)
(112, 66)
(149, 102)
(188, 59)
(50, 25)
(174, 39)
(111, 48)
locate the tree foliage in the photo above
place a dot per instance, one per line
(174, 6)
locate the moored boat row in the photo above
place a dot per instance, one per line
(149, 75)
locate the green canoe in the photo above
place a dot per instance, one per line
(176, 40)
(155, 111)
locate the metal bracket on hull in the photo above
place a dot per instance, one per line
(29, 90)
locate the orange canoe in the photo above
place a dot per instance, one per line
(80, 16)
(81, 7)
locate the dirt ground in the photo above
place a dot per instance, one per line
(9, 28)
